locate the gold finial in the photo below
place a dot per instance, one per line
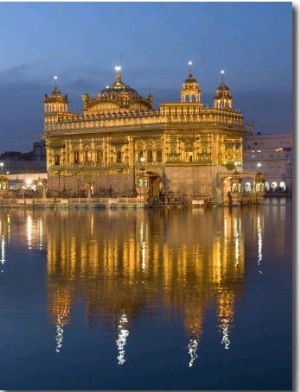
(55, 82)
(118, 69)
(222, 73)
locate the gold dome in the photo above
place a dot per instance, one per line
(117, 97)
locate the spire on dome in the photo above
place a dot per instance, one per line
(222, 79)
(118, 73)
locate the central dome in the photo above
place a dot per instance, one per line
(116, 98)
(118, 87)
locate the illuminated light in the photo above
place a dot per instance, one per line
(28, 181)
(190, 63)
(118, 68)
(225, 340)
(193, 345)
(55, 78)
(222, 72)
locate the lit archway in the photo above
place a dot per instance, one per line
(248, 187)
(274, 185)
(282, 185)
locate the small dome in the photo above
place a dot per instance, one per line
(223, 91)
(190, 79)
(223, 98)
(56, 96)
(190, 91)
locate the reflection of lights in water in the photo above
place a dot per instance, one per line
(192, 351)
(40, 224)
(143, 255)
(29, 231)
(225, 339)
(236, 242)
(259, 242)
(121, 341)
(143, 248)
(59, 333)
(2, 260)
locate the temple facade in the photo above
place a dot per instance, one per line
(120, 146)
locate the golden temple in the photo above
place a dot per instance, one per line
(121, 146)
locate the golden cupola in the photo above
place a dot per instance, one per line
(56, 102)
(223, 98)
(116, 98)
(190, 91)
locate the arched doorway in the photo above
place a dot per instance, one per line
(155, 185)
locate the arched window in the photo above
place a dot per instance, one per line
(149, 156)
(159, 155)
(99, 156)
(89, 156)
(76, 157)
(119, 156)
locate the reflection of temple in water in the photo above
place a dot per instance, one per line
(183, 263)
(127, 264)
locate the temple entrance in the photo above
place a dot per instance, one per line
(155, 183)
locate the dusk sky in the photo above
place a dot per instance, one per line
(81, 43)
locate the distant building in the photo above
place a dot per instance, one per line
(28, 162)
(272, 155)
(25, 170)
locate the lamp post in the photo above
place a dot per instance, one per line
(258, 167)
(259, 184)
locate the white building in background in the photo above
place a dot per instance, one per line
(272, 156)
